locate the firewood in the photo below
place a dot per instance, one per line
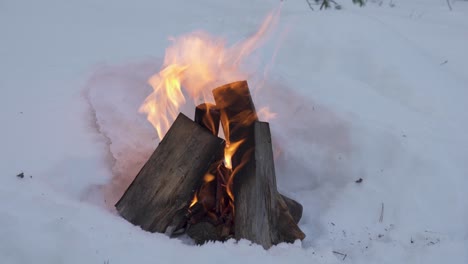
(237, 116)
(262, 215)
(208, 116)
(159, 196)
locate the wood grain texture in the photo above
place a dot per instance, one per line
(262, 215)
(158, 198)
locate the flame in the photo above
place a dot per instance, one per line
(229, 151)
(194, 200)
(206, 179)
(167, 90)
(229, 184)
(193, 65)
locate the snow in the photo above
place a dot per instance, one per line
(376, 93)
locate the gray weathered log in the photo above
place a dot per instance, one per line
(262, 215)
(158, 198)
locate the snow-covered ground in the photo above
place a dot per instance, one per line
(376, 93)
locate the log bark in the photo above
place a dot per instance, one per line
(158, 198)
(208, 116)
(262, 215)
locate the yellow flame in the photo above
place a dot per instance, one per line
(206, 179)
(229, 151)
(193, 65)
(194, 201)
(162, 106)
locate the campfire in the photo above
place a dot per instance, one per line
(196, 182)
(210, 188)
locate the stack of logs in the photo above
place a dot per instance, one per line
(188, 163)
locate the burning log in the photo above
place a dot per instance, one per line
(262, 213)
(158, 198)
(237, 116)
(208, 116)
(189, 185)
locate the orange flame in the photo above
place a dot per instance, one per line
(193, 65)
(206, 179)
(194, 201)
(229, 151)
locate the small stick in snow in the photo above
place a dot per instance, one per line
(449, 5)
(445, 62)
(341, 254)
(381, 213)
(310, 5)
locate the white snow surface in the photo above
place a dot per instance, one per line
(377, 93)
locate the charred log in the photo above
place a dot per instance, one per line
(202, 232)
(158, 198)
(208, 116)
(237, 116)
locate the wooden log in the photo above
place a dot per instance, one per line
(295, 208)
(237, 116)
(208, 116)
(158, 198)
(262, 215)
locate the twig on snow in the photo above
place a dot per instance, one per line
(381, 213)
(449, 5)
(341, 254)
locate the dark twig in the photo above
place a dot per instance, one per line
(341, 254)
(325, 4)
(310, 5)
(449, 5)
(381, 213)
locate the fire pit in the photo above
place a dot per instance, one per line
(214, 189)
